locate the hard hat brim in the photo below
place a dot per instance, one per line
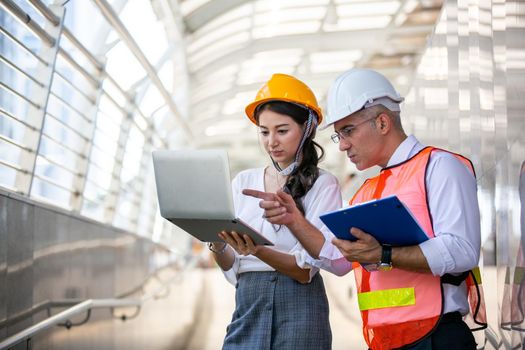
(250, 108)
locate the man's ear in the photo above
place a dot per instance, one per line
(383, 123)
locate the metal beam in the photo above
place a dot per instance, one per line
(207, 12)
(11, 7)
(347, 40)
(112, 17)
(313, 80)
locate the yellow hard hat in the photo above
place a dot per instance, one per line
(282, 87)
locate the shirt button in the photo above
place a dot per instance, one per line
(273, 279)
(269, 307)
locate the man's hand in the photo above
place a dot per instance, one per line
(366, 249)
(242, 244)
(279, 208)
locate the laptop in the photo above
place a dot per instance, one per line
(194, 193)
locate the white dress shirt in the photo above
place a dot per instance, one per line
(453, 204)
(324, 196)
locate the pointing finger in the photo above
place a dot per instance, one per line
(259, 194)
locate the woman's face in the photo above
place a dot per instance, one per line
(280, 135)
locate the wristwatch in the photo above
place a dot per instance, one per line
(386, 258)
(219, 251)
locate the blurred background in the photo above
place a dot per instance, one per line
(89, 88)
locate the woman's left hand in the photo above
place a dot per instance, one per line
(242, 244)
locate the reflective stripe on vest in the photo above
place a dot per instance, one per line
(386, 298)
(519, 273)
(477, 274)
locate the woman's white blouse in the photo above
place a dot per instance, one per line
(324, 196)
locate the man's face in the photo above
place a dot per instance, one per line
(360, 139)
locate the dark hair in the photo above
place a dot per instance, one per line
(304, 176)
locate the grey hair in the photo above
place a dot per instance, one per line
(378, 109)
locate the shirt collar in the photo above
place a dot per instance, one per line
(406, 149)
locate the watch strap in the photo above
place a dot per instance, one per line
(386, 254)
(219, 251)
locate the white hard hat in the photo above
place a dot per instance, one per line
(359, 88)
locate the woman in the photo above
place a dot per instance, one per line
(280, 299)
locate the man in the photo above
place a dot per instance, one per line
(419, 303)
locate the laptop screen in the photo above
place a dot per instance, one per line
(193, 184)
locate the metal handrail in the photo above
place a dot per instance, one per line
(493, 338)
(63, 317)
(51, 321)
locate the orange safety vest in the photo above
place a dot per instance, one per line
(401, 307)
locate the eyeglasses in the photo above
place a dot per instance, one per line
(346, 131)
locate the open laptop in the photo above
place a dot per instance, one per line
(194, 193)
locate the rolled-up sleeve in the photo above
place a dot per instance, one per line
(453, 203)
(330, 258)
(303, 260)
(231, 274)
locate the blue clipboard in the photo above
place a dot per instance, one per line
(387, 219)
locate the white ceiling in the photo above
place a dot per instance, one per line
(234, 46)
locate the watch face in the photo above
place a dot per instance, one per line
(384, 267)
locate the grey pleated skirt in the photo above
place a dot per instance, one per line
(274, 311)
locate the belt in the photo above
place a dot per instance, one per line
(451, 317)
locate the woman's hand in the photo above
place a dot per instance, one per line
(242, 244)
(279, 208)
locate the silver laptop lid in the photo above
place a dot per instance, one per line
(193, 184)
